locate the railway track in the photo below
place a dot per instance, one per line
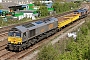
(7, 55)
(3, 36)
(3, 44)
(2, 47)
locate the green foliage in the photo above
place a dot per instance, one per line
(56, 6)
(62, 7)
(48, 53)
(84, 30)
(87, 54)
(87, 22)
(43, 10)
(88, 25)
(77, 50)
(37, 3)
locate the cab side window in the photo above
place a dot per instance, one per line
(32, 32)
(24, 35)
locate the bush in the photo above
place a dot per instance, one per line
(88, 24)
(48, 53)
(84, 30)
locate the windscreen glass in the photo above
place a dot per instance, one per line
(18, 34)
(11, 34)
(14, 34)
(76, 12)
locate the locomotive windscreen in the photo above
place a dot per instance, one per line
(14, 32)
(76, 12)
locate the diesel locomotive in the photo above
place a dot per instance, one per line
(23, 36)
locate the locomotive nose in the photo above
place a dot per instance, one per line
(14, 40)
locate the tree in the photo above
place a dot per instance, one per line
(37, 2)
(56, 7)
(43, 11)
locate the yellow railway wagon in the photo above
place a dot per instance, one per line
(62, 21)
(73, 17)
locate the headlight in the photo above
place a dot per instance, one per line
(19, 42)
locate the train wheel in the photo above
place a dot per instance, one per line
(24, 47)
(20, 49)
(11, 48)
(29, 43)
(32, 41)
(56, 30)
(35, 41)
(47, 35)
(53, 32)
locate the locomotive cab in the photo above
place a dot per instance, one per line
(82, 12)
(14, 36)
(76, 12)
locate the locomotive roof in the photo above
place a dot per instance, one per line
(33, 25)
(81, 10)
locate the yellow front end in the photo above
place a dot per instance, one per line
(15, 40)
